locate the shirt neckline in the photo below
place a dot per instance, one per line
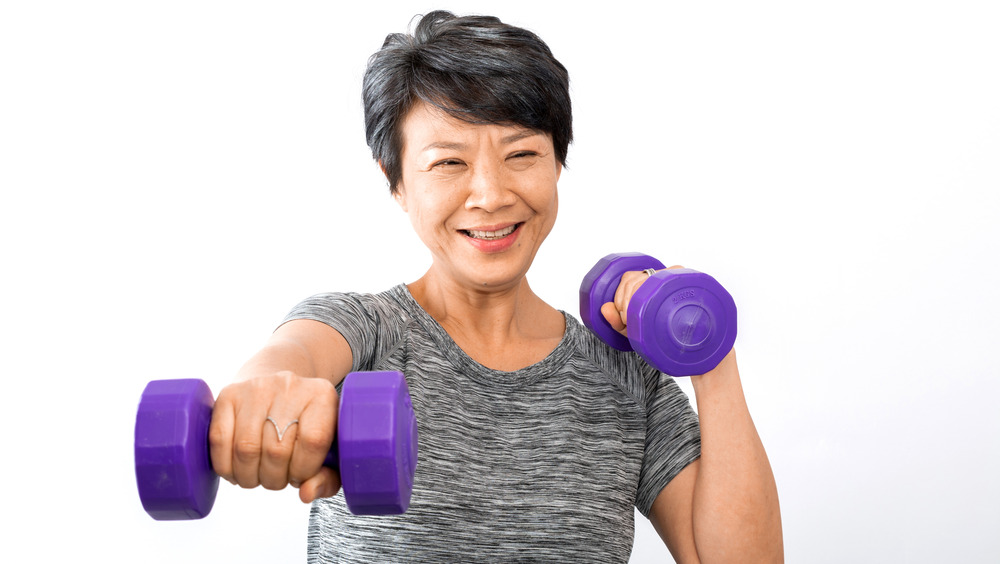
(471, 367)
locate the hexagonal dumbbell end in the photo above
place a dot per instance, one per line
(376, 443)
(598, 288)
(682, 321)
(172, 465)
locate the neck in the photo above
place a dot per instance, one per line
(484, 311)
(492, 323)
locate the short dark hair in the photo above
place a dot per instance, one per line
(475, 68)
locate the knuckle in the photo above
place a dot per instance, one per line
(216, 437)
(273, 485)
(321, 386)
(276, 452)
(246, 450)
(285, 380)
(247, 484)
(315, 440)
(224, 394)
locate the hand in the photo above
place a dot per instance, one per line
(616, 312)
(245, 446)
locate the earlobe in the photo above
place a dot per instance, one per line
(397, 193)
(400, 198)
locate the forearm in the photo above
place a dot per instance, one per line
(735, 507)
(305, 348)
(277, 357)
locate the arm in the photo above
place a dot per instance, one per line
(291, 378)
(305, 347)
(724, 506)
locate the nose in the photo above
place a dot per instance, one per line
(489, 190)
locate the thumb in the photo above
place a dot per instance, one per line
(614, 317)
(324, 484)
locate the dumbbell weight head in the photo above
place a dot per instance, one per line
(598, 288)
(376, 443)
(173, 468)
(682, 321)
(376, 440)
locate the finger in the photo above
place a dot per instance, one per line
(326, 483)
(247, 438)
(629, 283)
(622, 297)
(613, 316)
(220, 440)
(316, 429)
(674, 267)
(277, 441)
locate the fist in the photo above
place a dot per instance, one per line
(276, 430)
(616, 312)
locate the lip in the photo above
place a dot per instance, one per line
(494, 245)
(492, 227)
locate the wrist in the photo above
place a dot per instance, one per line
(724, 375)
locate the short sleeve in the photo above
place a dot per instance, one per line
(352, 315)
(673, 437)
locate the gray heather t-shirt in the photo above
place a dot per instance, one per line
(540, 464)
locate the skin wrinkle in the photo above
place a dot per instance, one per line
(463, 177)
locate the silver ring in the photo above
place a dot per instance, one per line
(650, 271)
(281, 432)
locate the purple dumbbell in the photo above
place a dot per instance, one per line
(681, 321)
(375, 449)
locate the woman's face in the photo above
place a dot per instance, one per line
(481, 197)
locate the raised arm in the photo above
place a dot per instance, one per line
(724, 506)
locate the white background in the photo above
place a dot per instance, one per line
(176, 175)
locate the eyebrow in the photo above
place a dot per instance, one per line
(455, 146)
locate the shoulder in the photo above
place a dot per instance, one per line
(624, 369)
(389, 304)
(373, 324)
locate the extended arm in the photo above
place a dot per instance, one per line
(291, 379)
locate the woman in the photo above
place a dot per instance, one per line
(536, 439)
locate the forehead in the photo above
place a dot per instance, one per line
(425, 125)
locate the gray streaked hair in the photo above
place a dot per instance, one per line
(477, 69)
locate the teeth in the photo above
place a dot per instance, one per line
(488, 235)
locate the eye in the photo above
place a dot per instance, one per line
(523, 154)
(447, 163)
(522, 160)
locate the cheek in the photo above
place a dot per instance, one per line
(428, 215)
(543, 197)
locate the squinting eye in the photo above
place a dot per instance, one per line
(448, 162)
(523, 154)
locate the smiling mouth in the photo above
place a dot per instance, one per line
(491, 235)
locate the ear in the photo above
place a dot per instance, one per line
(398, 193)
(400, 196)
